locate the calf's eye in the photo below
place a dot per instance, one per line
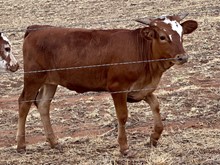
(162, 37)
(7, 49)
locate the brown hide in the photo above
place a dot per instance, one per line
(54, 48)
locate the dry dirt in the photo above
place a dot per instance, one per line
(85, 123)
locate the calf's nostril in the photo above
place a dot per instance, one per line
(179, 58)
(14, 68)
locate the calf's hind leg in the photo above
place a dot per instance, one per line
(25, 100)
(43, 101)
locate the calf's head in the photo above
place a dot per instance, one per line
(166, 33)
(7, 59)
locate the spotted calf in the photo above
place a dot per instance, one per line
(7, 59)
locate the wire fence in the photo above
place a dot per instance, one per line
(217, 11)
(104, 65)
(168, 87)
(190, 88)
(65, 131)
(101, 65)
(94, 66)
(81, 24)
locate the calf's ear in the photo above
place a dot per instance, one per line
(148, 33)
(189, 26)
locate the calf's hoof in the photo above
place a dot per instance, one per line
(153, 142)
(128, 154)
(58, 147)
(53, 143)
(21, 150)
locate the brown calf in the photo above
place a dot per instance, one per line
(47, 48)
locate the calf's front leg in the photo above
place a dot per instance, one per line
(151, 99)
(120, 100)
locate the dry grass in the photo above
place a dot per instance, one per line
(188, 146)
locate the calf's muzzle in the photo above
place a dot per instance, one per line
(181, 59)
(13, 68)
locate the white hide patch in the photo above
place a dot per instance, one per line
(3, 65)
(13, 61)
(171, 39)
(5, 47)
(5, 38)
(175, 26)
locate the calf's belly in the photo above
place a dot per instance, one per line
(78, 82)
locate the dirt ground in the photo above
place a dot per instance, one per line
(189, 95)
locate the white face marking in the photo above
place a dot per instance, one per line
(170, 37)
(3, 65)
(6, 49)
(13, 61)
(175, 26)
(5, 38)
(162, 17)
(7, 53)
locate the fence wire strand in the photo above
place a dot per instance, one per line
(80, 24)
(69, 131)
(168, 87)
(93, 66)
(84, 129)
(101, 65)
